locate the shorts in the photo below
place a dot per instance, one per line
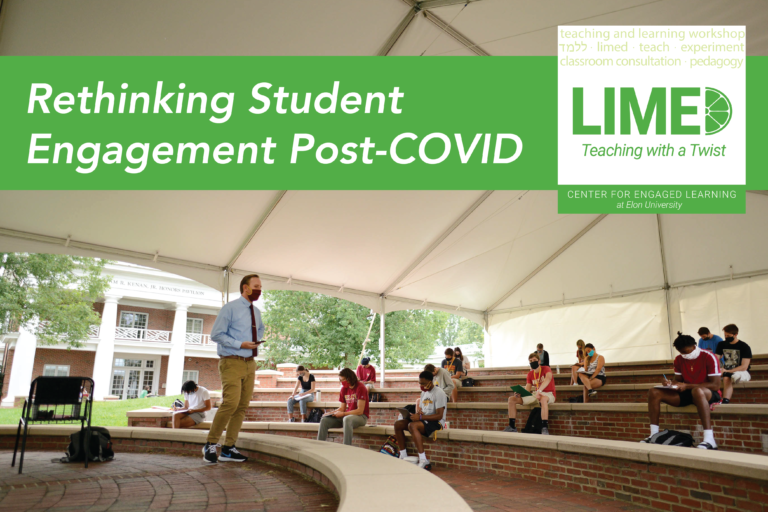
(528, 400)
(686, 398)
(198, 417)
(430, 427)
(589, 375)
(737, 377)
(456, 383)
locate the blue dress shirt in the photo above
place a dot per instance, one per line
(233, 326)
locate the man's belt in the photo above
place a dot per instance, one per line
(238, 357)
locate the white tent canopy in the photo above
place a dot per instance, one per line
(505, 259)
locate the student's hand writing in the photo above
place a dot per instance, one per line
(666, 382)
(415, 417)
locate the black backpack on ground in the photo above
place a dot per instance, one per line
(533, 425)
(672, 438)
(315, 415)
(100, 448)
(576, 399)
(468, 382)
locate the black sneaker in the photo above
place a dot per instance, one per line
(726, 401)
(292, 420)
(209, 453)
(230, 454)
(592, 392)
(544, 431)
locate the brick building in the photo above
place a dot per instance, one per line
(154, 333)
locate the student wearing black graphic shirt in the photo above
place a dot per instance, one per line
(736, 358)
(455, 367)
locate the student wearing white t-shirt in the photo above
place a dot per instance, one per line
(197, 400)
(426, 421)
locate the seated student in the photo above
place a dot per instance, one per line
(541, 380)
(353, 412)
(697, 381)
(366, 374)
(453, 365)
(543, 355)
(426, 421)
(464, 360)
(593, 375)
(442, 379)
(307, 382)
(736, 358)
(707, 340)
(197, 400)
(579, 362)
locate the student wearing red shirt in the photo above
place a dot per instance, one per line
(367, 374)
(353, 412)
(697, 382)
(540, 382)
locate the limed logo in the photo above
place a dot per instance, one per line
(665, 103)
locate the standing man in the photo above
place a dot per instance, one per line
(707, 340)
(366, 374)
(235, 332)
(543, 355)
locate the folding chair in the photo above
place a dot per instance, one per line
(56, 400)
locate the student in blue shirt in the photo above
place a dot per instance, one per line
(708, 341)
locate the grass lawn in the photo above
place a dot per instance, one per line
(105, 414)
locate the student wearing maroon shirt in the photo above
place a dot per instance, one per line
(697, 382)
(367, 374)
(540, 382)
(353, 412)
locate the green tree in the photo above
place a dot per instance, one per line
(460, 331)
(323, 331)
(51, 295)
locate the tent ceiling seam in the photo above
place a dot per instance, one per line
(261, 222)
(548, 261)
(152, 257)
(437, 242)
(458, 36)
(568, 302)
(398, 32)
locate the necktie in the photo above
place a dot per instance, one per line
(254, 332)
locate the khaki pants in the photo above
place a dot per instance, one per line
(350, 423)
(237, 380)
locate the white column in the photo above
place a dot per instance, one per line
(381, 343)
(176, 357)
(23, 362)
(105, 350)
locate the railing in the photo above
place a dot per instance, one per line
(93, 331)
(198, 339)
(129, 333)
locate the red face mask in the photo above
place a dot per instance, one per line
(425, 388)
(254, 296)
(345, 385)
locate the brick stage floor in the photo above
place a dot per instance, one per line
(489, 493)
(135, 481)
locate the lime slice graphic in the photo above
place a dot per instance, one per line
(717, 111)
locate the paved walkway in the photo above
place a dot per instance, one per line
(489, 493)
(139, 482)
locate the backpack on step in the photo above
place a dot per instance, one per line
(99, 448)
(672, 438)
(533, 425)
(315, 415)
(390, 447)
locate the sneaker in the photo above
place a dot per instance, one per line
(230, 454)
(706, 446)
(510, 429)
(647, 440)
(425, 464)
(209, 453)
(592, 392)
(726, 401)
(544, 431)
(292, 420)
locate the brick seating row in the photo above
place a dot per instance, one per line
(748, 392)
(655, 477)
(736, 427)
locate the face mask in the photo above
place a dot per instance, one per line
(729, 339)
(344, 384)
(254, 296)
(534, 365)
(591, 353)
(692, 355)
(425, 389)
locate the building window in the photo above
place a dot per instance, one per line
(132, 376)
(190, 375)
(55, 370)
(133, 325)
(194, 330)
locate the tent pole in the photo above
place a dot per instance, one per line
(228, 273)
(666, 285)
(381, 342)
